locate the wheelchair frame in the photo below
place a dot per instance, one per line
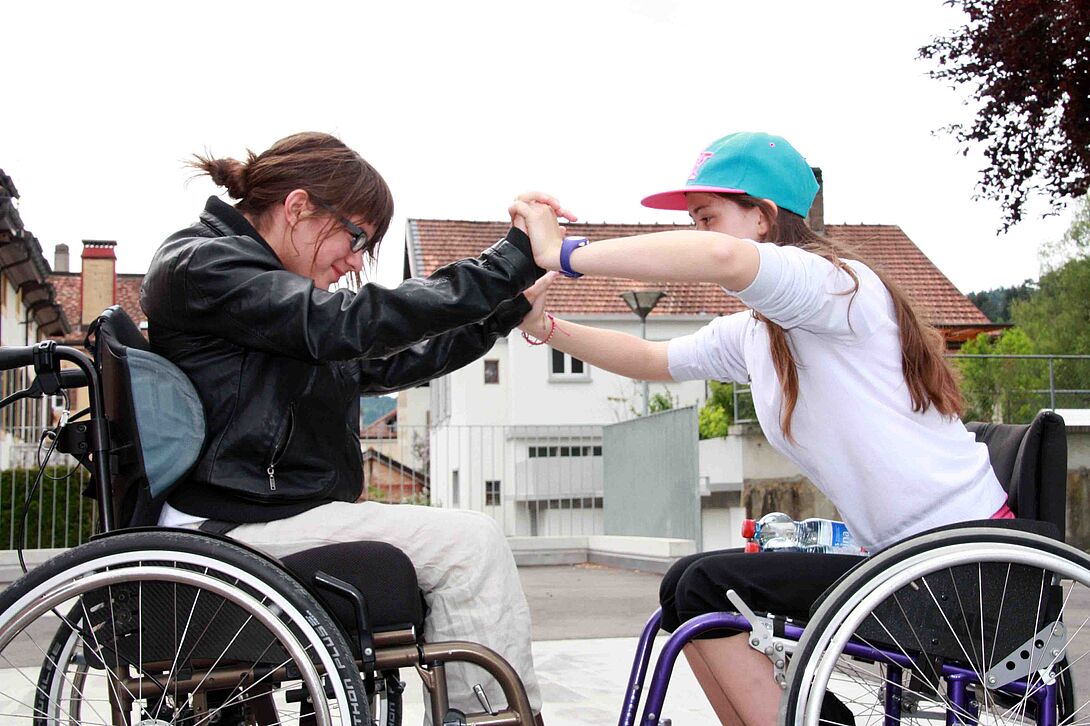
(381, 653)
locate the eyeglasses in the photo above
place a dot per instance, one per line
(359, 235)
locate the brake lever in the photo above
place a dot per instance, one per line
(68, 378)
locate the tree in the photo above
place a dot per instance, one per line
(1074, 244)
(1028, 64)
(998, 389)
(996, 303)
(1057, 317)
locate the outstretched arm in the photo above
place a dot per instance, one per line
(620, 353)
(685, 255)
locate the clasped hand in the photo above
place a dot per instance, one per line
(536, 214)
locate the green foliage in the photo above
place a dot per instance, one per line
(1002, 390)
(660, 402)
(996, 303)
(1075, 243)
(717, 413)
(713, 421)
(1025, 66)
(66, 517)
(1054, 320)
(1057, 319)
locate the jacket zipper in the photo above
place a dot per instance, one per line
(280, 448)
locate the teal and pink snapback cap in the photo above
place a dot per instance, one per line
(754, 163)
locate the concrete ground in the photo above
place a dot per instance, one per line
(586, 622)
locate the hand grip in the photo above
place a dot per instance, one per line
(16, 356)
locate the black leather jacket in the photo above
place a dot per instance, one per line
(280, 365)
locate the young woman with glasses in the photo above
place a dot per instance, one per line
(240, 301)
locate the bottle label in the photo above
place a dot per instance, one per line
(841, 536)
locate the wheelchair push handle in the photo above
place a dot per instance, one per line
(16, 356)
(46, 359)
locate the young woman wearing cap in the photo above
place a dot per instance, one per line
(240, 302)
(848, 382)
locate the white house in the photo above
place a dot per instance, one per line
(517, 433)
(29, 312)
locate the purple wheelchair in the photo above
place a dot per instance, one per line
(982, 623)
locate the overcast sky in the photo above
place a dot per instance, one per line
(460, 105)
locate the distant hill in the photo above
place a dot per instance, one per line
(996, 304)
(372, 408)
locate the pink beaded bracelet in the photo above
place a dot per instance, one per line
(552, 329)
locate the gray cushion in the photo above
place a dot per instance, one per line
(169, 417)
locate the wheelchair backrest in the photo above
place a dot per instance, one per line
(157, 425)
(1030, 461)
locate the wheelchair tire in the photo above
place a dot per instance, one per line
(907, 600)
(386, 705)
(164, 627)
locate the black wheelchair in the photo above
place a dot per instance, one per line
(147, 626)
(981, 623)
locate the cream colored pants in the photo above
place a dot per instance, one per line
(464, 567)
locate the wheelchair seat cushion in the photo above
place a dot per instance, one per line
(381, 572)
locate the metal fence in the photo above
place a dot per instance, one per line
(534, 480)
(999, 388)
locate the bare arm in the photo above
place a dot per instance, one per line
(685, 255)
(610, 350)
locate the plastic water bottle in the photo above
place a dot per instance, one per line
(777, 532)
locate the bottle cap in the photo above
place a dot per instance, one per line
(749, 528)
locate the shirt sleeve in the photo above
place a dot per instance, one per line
(799, 289)
(716, 351)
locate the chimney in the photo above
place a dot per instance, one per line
(816, 217)
(60, 258)
(98, 280)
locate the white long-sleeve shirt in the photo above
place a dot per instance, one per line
(890, 471)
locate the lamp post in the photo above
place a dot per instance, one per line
(642, 302)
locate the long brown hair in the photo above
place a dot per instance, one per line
(318, 163)
(930, 379)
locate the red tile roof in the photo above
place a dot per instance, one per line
(432, 243)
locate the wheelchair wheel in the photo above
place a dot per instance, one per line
(386, 701)
(159, 628)
(976, 625)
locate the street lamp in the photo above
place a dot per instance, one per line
(642, 302)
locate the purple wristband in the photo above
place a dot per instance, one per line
(569, 245)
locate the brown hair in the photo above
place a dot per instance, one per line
(320, 164)
(930, 379)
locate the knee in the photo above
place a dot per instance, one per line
(698, 592)
(479, 535)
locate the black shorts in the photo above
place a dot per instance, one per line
(782, 583)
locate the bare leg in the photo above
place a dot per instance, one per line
(718, 700)
(739, 676)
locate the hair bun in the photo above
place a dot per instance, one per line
(228, 173)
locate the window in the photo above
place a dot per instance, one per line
(541, 452)
(492, 492)
(564, 366)
(491, 371)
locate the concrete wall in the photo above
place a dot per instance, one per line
(1078, 486)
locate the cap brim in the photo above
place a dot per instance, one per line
(676, 199)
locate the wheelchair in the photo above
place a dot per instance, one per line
(148, 626)
(979, 623)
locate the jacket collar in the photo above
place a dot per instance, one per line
(226, 221)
